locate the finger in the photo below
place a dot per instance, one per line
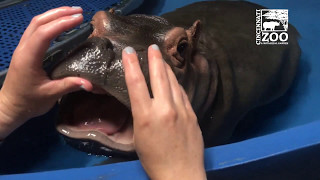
(159, 81)
(136, 83)
(175, 87)
(44, 34)
(192, 115)
(48, 17)
(58, 88)
(186, 100)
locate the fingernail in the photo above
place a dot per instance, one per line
(76, 15)
(129, 50)
(155, 47)
(76, 7)
(82, 86)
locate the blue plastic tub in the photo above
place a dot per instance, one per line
(283, 144)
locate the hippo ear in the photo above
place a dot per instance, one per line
(194, 32)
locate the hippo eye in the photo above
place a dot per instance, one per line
(182, 47)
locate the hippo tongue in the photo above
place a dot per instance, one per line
(100, 112)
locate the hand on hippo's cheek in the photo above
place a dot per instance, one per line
(165, 121)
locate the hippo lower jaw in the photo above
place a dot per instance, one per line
(86, 117)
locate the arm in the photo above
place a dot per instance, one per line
(27, 91)
(167, 136)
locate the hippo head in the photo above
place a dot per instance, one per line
(100, 122)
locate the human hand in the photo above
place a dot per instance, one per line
(27, 90)
(167, 136)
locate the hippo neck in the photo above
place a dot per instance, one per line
(201, 84)
(222, 112)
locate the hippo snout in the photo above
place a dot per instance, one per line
(89, 60)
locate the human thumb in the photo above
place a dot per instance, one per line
(67, 85)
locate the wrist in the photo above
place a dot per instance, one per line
(186, 174)
(10, 117)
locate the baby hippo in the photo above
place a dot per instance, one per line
(211, 48)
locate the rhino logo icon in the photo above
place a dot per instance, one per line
(270, 25)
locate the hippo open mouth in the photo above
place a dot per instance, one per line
(96, 117)
(102, 117)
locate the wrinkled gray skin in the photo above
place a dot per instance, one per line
(223, 71)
